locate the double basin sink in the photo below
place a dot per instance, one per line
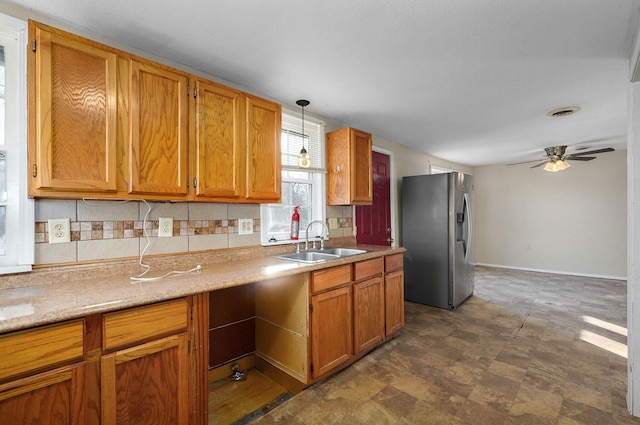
(320, 256)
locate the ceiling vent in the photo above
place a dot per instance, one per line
(563, 112)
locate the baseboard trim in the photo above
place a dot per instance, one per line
(597, 276)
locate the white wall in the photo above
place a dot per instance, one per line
(571, 222)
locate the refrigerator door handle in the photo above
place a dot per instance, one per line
(469, 227)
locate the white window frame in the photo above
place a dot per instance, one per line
(319, 194)
(19, 225)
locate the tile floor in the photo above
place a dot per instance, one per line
(514, 353)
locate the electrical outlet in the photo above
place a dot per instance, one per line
(165, 227)
(245, 226)
(333, 223)
(59, 230)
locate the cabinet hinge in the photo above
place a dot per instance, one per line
(34, 170)
(310, 308)
(33, 44)
(189, 346)
(195, 93)
(311, 367)
(195, 182)
(188, 90)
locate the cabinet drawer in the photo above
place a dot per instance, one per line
(393, 262)
(364, 269)
(134, 325)
(41, 347)
(330, 278)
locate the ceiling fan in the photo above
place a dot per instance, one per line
(556, 157)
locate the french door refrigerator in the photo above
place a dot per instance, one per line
(437, 230)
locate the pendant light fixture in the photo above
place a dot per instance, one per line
(304, 160)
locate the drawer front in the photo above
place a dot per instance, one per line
(41, 347)
(330, 278)
(134, 325)
(393, 262)
(364, 269)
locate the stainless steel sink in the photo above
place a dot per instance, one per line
(319, 256)
(343, 252)
(308, 257)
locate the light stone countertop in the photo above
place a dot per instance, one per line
(43, 297)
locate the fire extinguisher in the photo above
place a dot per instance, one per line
(295, 223)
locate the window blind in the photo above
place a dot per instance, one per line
(291, 142)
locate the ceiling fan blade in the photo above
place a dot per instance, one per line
(525, 162)
(580, 158)
(603, 150)
(539, 165)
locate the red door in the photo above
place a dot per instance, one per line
(374, 221)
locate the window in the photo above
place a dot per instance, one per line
(16, 211)
(300, 187)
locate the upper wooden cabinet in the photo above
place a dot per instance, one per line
(237, 146)
(220, 147)
(263, 149)
(72, 114)
(158, 131)
(349, 167)
(107, 124)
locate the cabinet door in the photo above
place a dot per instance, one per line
(394, 301)
(72, 138)
(331, 324)
(368, 314)
(264, 124)
(220, 148)
(158, 126)
(54, 398)
(147, 383)
(361, 178)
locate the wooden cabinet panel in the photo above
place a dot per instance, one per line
(54, 398)
(330, 278)
(38, 348)
(147, 383)
(158, 131)
(220, 166)
(134, 325)
(367, 268)
(368, 314)
(394, 301)
(331, 330)
(349, 181)
(263, 149)
(72, 115)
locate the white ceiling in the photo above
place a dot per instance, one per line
(465, 80)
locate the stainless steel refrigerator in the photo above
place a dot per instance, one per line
(437, 230)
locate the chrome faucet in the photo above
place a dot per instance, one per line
(322, 239)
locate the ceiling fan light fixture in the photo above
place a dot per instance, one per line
(555, 166)
(304, 160)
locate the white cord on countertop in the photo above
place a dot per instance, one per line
(140, 277)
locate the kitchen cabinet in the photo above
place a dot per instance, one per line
(158, 131)
(72, 114)
(331, 319)
(42, 375)
(368, 304)
(104, 123)
(237, 146)
(145, 369)
(349, 178)
(394, 293)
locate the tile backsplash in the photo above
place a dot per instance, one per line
(116, 229)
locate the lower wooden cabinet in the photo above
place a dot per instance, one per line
(56, 397)
(368, 314)
(331, 330)
(394, 301)
(147, 383)
(126, 367)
